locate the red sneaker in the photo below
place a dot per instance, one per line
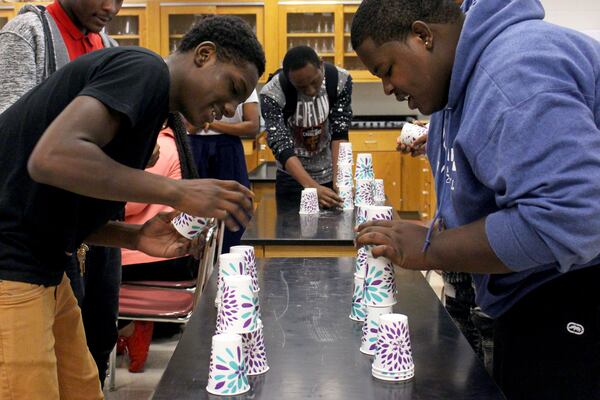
(138, 345)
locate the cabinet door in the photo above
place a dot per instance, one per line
(175, 21)
(128, 27)
(418, 191)
(6, 13)
(386, 166)
(350, 60)
(313, 26)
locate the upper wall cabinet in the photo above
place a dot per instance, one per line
(7, 11)
(325, 28)
(129, 27)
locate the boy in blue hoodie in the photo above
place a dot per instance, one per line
(514, 143)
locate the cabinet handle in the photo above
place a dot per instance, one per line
(424, 215)
(370, 141)
(424, 192)
(393, 183)
(263, 146)
(426, 170)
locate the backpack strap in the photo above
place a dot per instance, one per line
(50, 53)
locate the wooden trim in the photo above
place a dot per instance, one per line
(291, 251)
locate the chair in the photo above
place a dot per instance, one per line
(163, 301)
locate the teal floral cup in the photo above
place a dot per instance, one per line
(227, 373)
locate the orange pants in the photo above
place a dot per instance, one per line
(43, 352)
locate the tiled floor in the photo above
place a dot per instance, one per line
(141, 386)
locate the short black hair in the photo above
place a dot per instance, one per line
(388, 20)
(233, 37)
(298, 57)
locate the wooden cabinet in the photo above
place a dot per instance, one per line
(325, 28)
(129, 27)
(418, 189)
(264, 151)
(177, 18)
(386, 160)
(7, 11)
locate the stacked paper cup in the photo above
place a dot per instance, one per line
(238, 306)
(393, 358)
(378, 192)
(227, 370)
(188, 226)
(364, 176)
(344, 181)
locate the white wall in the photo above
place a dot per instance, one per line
(582, 15)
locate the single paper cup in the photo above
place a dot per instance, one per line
(229, 264)
(347, 195)
(344, 175)
(370, 329)
(393, 356)
(309, 225)
(357, 313)
(360, 265)
(250, 261)
(238, 311)
(380, 284)
(227, 371)
(364, 167)
(364, 192)
(378, 190)
(188, 226)
(411, 132)
(254, 351)
(345, 153)
(309, 201)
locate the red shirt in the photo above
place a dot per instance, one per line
(77, 43)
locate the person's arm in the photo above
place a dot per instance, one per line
(462, 249)
(18, 68)
(250, 125)
(156, 237)
(69, 156)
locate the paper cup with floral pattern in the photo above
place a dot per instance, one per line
(188, 226)
(357, 312)
(238, 311)
(255, 353)
(364, 192)
(227, 374)
(309, 201)
(377, 213)
(393, 357)
(380, 284)
(360, 263)
(229, 264)
(378, 190)
(368, 341)
(347, 195)
(344, 175)
(411, 132)
(345, 153)
(364, 167)
(250, 261)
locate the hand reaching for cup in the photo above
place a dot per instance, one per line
(328, 198)
(227, 201)
(399, 241)
(418, 148)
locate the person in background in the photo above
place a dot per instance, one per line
(76, 145)
(219, 154)
(307, 111)
(516, 175)
(174, 161)
(33, 45)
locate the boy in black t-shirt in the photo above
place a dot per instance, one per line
(72, 150)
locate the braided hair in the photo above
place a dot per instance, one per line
(186, 160)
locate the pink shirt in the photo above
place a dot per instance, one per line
(138, 213)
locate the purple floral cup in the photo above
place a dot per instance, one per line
(188, 226)
(230, 264)
(254, 351)
(238, 311)
(357, 312)
(309, 201)
(380, 284)
(227, 371)
(364, 192)
(250, 261)
(368, 341)
(393, 357)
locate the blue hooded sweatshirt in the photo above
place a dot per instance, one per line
(519, 145)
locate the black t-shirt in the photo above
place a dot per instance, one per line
(39, 223)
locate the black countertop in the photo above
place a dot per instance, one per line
(312, 345)
(265, 172)
(281, 224)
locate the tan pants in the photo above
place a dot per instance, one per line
(43, 352)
